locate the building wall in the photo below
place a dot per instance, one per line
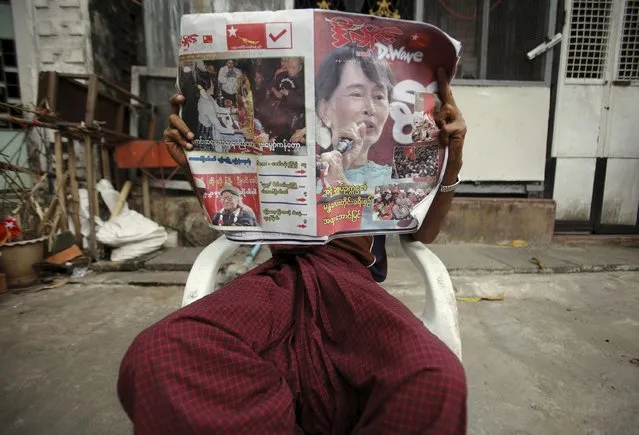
(117, 34)
(507, 130)
(595, 141)
(64, 35)
(51, 35)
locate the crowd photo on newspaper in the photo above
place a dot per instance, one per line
(244, 105)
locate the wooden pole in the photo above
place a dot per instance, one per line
(146, 194)
(124, 194)
(92, 97)
(90, 175)
(75, 195)
(106, 163)
(60, 180)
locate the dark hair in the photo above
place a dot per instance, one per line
(330, 71)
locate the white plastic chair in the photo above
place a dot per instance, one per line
(440, 309)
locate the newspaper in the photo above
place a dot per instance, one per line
(313, 124)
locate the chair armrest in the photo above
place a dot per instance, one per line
(203, 274)
(440, 314)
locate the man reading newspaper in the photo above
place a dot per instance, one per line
(306, 343)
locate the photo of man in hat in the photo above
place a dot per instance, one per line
(233, 212)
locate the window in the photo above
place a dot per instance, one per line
(404, 9)
(588, 39)
(628, 65)
(495, 36)
(9, 81)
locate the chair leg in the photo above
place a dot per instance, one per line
(440, 313)
(203, 274)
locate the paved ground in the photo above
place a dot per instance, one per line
(459, 259)
(559, 355)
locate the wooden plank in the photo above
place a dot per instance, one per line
(52, 95)
(152, 125)
(60, 180)
(90, 173)
(92, 99)
(75, 195)
(119, 120)
(172, 184)
(146, 195)
(124, 194)
(106, 163)
(124, 91)
(50, 213)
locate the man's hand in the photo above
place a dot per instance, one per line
(453, 128)
(178, 136)
(452, 133)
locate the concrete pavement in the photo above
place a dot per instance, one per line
(558, 355)
(459, 259)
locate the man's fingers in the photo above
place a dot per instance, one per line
(172, 135)
(456, 128)
(177, 101)
(445, 93)
(447, 114)
(178, 123)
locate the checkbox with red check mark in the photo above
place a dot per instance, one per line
(279, 35)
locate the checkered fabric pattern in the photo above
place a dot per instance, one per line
(306, 343)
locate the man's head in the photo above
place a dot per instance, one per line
(230, 196)
(229, 63)
(210, 66)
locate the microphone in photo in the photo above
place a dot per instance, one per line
(344, 144)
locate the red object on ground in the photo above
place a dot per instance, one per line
(143, 154)
(9, 230)
(306, 343)
(64, 256)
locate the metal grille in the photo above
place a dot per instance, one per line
(463, 20)
(588, 43)
(9, 82)
(404, 9)
(628, 66)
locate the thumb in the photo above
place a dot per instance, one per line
(177, 153)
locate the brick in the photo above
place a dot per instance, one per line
(46, 28)
(48, 56)
(75, 55)
(74, 28)
(41, 4)
(69, 3)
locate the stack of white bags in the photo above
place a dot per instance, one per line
(129, 233)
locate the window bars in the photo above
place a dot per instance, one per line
(588, 40)
(628, 64)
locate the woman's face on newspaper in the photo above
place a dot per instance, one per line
(357, 99)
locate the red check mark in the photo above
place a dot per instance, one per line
(278, 36)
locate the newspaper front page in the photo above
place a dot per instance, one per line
(313, 124)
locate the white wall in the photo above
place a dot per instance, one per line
(621, 190)
(51, 35)
(507, 132)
